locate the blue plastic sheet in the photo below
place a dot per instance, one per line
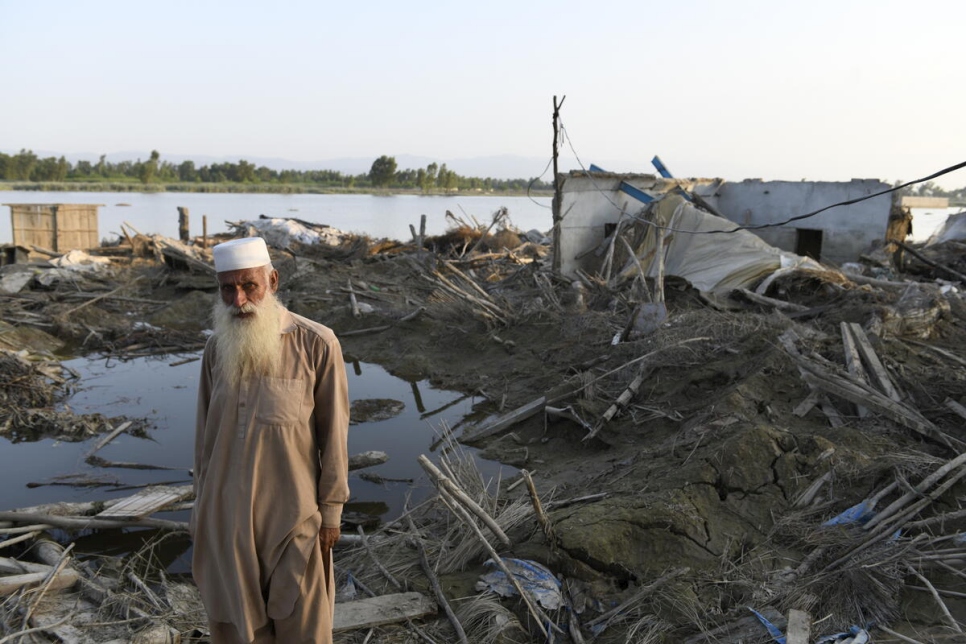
(859, 513)
(773, 630)
(532, 576)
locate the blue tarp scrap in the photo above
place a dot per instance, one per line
(773, 630)
(532, 576)
(859, 513)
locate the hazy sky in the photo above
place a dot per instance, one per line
(734, 89)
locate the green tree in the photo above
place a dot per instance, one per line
(187, 172)
(22, 165)
(148, 169)
(245, 171)
(382, 171)
(429, 177)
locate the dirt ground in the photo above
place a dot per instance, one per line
(710, 485)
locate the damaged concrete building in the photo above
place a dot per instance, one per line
(591, 203)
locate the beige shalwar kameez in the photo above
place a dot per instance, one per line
(271, 469)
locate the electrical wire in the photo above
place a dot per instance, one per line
(533, 180)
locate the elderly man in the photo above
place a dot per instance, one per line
(271, 464)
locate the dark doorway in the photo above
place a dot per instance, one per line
(809, 243)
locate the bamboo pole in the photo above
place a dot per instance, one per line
(542, 517)
(464, 515)
(445, 483)
(434, 582)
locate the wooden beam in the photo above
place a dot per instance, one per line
(496, 425)
(147, 501)
(378, 611)
(799, 627)
(12, 583)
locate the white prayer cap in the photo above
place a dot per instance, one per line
(236, 254)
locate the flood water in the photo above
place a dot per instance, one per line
(378, 216)
(165, 395)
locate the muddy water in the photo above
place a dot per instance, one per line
(164, 393)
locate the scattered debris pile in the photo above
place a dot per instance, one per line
(718, 445)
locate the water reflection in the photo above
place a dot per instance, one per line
(164, 391)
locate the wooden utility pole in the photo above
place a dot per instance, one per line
(555, 204)
(183, 233)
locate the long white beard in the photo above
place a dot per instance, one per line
(251, 345)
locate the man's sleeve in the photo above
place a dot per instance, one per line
(201, 420)
(332, 431)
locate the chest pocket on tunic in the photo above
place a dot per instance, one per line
(279, 401)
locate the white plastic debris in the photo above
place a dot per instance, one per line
(80, 262)
(533, 577)
(280, 233)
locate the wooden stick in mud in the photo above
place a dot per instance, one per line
(375, 560)
(13, 583)
(85, 523)
(542, 517)
(23, 537)
(352, 299)
(956, 407)
(535, 610)
(879, 374)
(853, 361)
(55, 571)
(434, 582)
(942, 605)
(764, 300)
(916, 493)
(640, 269)
(946, 354)
(912, 251)
(533, 407)
(643, 592)
(107, 439)
(659, 279)
(619, 404)
(486, 303)
(443, 482)
(101, 297)
(881, 530)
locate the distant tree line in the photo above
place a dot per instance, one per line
(26, 166)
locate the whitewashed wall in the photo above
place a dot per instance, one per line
(589, 202)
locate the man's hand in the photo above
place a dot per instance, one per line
(328, 538)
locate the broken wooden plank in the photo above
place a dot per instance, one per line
(63, 579)
(832, 379)
(806, 405)
(833, 415)
(880, 376)
(799, 627)
(956, 407)
(378, 611)
(145, 502)
(853, 361)
(498, 424)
